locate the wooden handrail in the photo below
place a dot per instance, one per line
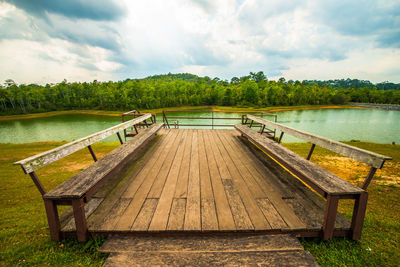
(373, 159)
(36, 162)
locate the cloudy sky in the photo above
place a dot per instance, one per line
(45, 41)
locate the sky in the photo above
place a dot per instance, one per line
(47, 41)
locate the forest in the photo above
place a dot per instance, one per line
(174, 90)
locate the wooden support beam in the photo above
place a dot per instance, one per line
(369, 178)
(360, 206)
(310, 152)
(92, 153)
(262, 129)
(53, 219)
(80, 219)
(37, 182)
(328, 224)
(120, 139)
(280, 137)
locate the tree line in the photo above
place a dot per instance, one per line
(174, 90)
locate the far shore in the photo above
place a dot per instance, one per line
(184, 108)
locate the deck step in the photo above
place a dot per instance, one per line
(272, 250)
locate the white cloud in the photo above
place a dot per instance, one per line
(226, 38)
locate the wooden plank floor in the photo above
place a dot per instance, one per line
(206, 181)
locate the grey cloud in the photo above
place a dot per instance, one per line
(84, 32)
(378, 19)
(100, 10)
(81, 31)
(391, 39)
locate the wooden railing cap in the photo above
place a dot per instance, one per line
(36, 162)
(373, 159)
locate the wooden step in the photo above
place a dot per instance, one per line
(200, 243)
(206, 250)
(264, 258)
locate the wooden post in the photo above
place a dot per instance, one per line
(92, 153)
(212, 119)
(310, 152)
(52, 219)
(280, 138)
(262, 129)
(330, 217)
(165, 119)
(120, 139)
(37, 183)
(369, 178)
(360, 206)
(80, 219)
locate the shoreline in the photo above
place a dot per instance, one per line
(184, 108)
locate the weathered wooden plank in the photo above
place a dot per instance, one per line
(201, 243)
(112, 217)
(272, 215)
(362, 155)
(320, 178)
(209, 219)
(158, 185)
(280, 258)
(182, 183)
(78, 185)
(177, 215)
(192, 214)
(161, 214)
(131, 189)
(127, 219)
(267, 181)
(36, 162)
(95, 221)
(304, 203)
(133, 167)
(239, 212)
(239, 160)
(145, 215)
(255, 214)
(224, 213)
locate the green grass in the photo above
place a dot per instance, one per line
(24, 237)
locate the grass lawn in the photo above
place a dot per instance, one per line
(24, 237)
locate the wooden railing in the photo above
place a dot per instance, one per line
(376, 161)
(176, 120)
(29, 165)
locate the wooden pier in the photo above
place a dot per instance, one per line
(205, 181)
(193, 185)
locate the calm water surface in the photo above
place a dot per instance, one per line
(380, 126)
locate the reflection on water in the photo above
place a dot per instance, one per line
(380, 126)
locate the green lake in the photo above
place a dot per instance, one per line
(372, 125)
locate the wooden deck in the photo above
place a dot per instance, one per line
(204, 181)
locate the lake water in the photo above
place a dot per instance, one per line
(379, 126)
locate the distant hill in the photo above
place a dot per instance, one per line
(355, 83)
(336, 84)
(180, 76)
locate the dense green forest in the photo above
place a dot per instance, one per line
(185, 89)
